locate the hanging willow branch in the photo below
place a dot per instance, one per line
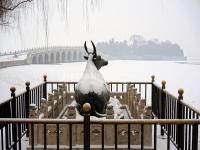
(14, 7)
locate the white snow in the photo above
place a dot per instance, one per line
(91, 80)
(116, 106)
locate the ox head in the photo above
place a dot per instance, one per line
(97, 60)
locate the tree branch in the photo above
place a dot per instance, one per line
(4, 23)
(12, 8)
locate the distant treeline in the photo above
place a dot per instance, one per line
(138, 48)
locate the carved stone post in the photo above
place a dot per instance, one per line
(134, 106)
(50, 105)
(71, 112)
(128, 90)
(61, 94)
(33, 113)
(137, 99)
(130, 99)
(147, 114)
(64, 95)
(109, 112)
(140, 107)
(55, 103)
(44, 108)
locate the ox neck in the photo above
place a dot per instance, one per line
(90, 64)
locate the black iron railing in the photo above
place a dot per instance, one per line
(167, 106)
(182, 133)
(87, 132)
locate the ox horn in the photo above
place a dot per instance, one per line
(94, 49)
(86, 48)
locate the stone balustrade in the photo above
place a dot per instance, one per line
(60, 100)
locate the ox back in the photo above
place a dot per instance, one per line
(98, 102)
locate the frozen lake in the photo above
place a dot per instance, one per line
(184, 75)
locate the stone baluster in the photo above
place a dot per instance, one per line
(64, 94)
(71, 112)
(109, 112)
(64, 91)
(147, 114)
(128, 93)
(55, 103)
(134, 103)
(140, 107)
(60, 98)
(50, 105)
(64, 87)
(33, 113)
(55, 94)
(60, 90)
(137, 99)
(44, 108)
(130, 96)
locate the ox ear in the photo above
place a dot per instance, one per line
(85, 57)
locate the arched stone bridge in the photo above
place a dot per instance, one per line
(55, 55)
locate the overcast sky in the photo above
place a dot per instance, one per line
(174, 20)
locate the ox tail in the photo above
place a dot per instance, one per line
(91, 96)
(98, 114)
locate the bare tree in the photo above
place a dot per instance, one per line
(7, 6)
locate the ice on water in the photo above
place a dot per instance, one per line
(177, 75)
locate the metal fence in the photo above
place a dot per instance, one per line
(167, 106)
(182, 133)
(87, 123)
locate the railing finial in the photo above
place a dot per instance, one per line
(180, 92)
(12, 89)
(163, 82)
(45, 78)
(153, 78)
(86, 108)
(27, 83)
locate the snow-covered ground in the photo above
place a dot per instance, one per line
(177, 74)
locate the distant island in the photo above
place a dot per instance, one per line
(139, 49)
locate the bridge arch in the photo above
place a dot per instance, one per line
(80, 56)
(63, 57)
(40, 59)
(69, 56)
(34, 60)
(52, 58)
(74, 56)
(57, 57)
(46, 58)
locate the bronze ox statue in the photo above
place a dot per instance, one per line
(92, 88)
